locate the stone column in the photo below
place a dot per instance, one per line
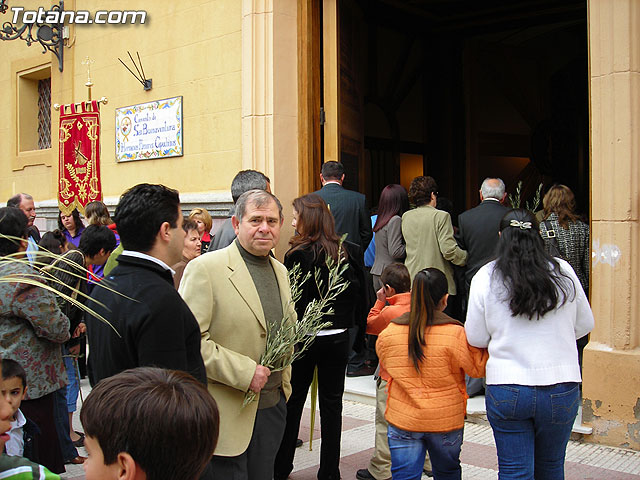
(270, 98)
(611, 367)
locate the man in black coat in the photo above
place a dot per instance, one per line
(479, 226)
(347, 207)
(150, 323)
(478, 235)
(351, 216)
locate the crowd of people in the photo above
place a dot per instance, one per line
(177, 318)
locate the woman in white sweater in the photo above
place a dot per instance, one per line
(528, 309)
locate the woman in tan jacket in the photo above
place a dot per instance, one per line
(427, 395)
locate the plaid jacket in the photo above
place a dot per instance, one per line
(574, 246)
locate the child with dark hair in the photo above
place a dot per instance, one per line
(149, 423)
(393, 300)
(12, 465)
(14, 390)
(53, 242)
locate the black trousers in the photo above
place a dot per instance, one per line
(330, 354)
(41, 412)
(256, 463)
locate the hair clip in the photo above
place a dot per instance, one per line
(520, 225)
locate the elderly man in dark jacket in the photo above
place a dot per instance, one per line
(478, 234)
(478, 227)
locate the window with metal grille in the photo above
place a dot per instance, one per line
(44, 113)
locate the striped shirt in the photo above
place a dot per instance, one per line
(18, 468)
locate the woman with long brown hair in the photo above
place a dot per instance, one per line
(570, 233)
(390, 247)
(426, 354)
(316, 240)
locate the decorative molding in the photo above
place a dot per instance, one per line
(257, 86)
(217, 203)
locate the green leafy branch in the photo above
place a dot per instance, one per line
(515, 199)
(290, 339)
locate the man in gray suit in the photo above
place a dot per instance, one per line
(347, 207)
(244, 181)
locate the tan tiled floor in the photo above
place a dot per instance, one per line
(585, 461)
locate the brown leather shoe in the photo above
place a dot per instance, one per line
(76, 461)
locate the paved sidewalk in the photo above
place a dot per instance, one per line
(585, 461)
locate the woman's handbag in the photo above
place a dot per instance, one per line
(550, 240)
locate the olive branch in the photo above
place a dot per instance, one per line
(290, 339)
(515, 199)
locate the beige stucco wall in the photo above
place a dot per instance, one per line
(611, 388)
(234, 62)
(189, 48)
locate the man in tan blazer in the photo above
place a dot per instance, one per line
(235, 293)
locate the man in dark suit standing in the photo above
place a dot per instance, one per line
(478, 227)
(347, 207)
(478, 235)
(351, 216)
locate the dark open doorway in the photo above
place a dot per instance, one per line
(461, 90)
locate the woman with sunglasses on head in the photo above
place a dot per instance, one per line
(427, 398)
(528, 309)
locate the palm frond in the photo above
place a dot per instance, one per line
(41, 274)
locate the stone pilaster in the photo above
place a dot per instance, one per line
(612, 359)
(270, 98)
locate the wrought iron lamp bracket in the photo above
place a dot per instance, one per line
(49, 36)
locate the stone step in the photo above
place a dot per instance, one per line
(363, 390)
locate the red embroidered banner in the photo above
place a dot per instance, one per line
(79, 175)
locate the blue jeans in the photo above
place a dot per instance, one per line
(408, 451)
(531, 426)
(73, 387)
